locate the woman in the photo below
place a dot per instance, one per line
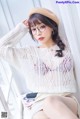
(49, 67)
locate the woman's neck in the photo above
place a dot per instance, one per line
(47, 45)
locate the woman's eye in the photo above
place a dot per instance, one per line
(43, 26)
(33, 29)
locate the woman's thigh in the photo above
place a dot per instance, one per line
(40, 115)
(71, 104)
(68, 101)
(53, 100)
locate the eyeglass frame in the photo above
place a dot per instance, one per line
(39, 29)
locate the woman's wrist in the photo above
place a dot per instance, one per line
(25, 22)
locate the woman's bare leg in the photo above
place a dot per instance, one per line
(40, 115)
(59, 107)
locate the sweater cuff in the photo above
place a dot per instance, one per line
(22, 27)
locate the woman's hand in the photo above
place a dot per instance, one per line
(25, 22)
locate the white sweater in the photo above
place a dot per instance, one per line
(43, 71)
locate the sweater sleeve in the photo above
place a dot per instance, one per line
(14, 36)
(7, 50)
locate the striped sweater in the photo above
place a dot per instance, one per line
(44, 72)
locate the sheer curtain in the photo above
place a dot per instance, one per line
(11, 83)
(71, 21)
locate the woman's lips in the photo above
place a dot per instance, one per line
(41, 38)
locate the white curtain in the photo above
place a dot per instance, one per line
(71, 22)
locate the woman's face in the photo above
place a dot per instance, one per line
(42, 33)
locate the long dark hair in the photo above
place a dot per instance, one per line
(35, 18)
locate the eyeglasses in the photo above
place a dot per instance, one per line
(41, 28)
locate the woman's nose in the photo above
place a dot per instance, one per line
(38, 32)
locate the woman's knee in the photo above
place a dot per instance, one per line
(40, 115)
(57, 102)
(52, 102)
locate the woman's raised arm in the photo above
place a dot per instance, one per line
(14, 36)
(7, 50)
